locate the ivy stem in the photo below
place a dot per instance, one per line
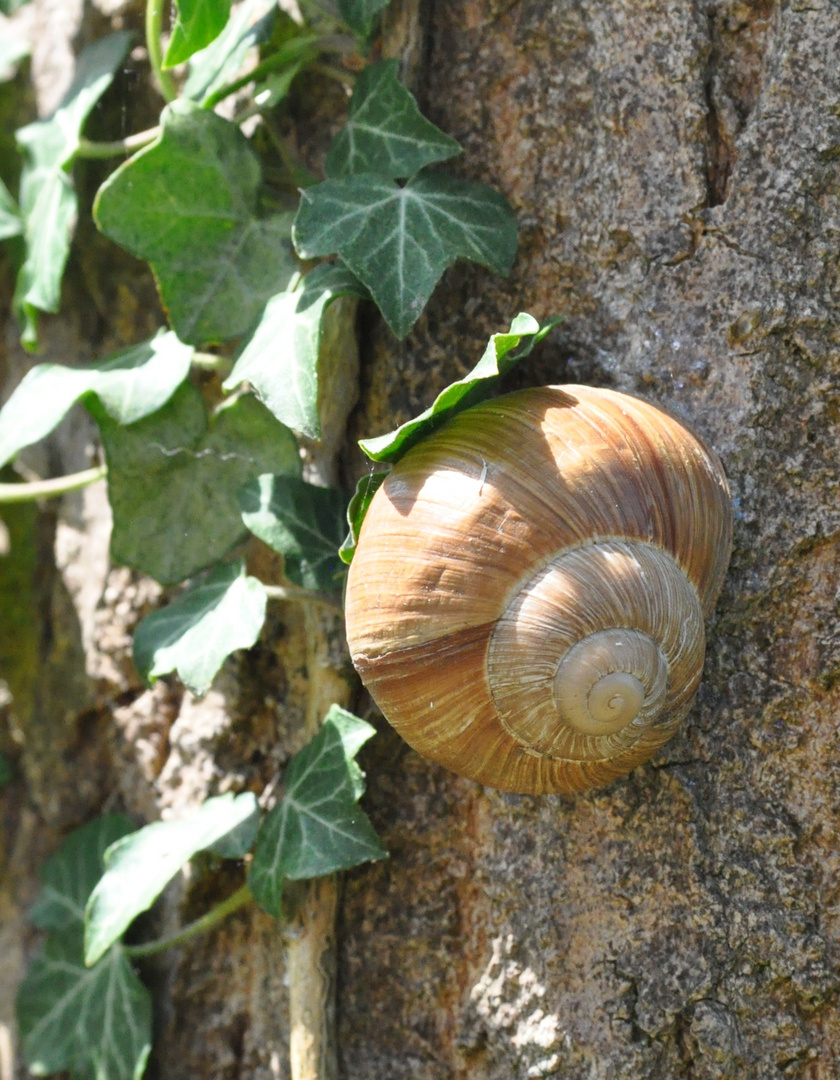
(215, 915)
(49, 489)
(303, 49)
(304, 596)
(342, 75)
(90, 149)
(154, 25)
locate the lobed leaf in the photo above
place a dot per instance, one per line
(68, 877)
(173, 480)
(94, 1022)
(129, 384)
(318, 827)
(386, 133)
(188, 204)
(302, 522)
(197, 632)
(140, 866)
(12, 50)
(399, 240)
(280, 356)
(501, 354)
(197, 23)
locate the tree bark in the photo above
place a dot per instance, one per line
(674, 170)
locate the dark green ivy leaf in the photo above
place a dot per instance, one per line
(318, 827)
(188, 203)
(173, 480)
(94, 1022)
(198, 23)
(302, 522)
(194, 634)
(386, 133)
(399, 240)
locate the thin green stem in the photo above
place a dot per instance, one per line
(215, 915)
(89, 149)
(342, 75)
(302, 596)
(49, 489)
(154, 25)
(302, 48)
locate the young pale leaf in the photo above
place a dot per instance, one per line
(386, 133)
(11, 222)
(139, 867)
(188, 204)
(196, 632)
(70, 875)
(95, 1022)
(399, 240)
(197, 24)
(211, 68)
(304, 523)
(130, 384)
(366, 488)
(318, 828)
(280, 357)
(47, 199)
(174, 477)
(501, 354)
(360, 14)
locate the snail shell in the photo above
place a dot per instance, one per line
(527, 599)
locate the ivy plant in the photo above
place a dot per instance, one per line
(252, 258)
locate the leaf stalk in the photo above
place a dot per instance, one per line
(154, 25)
(89, 149)
(215, 915)
(303, 596)
(50, 489)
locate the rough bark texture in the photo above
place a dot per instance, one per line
(674, 169)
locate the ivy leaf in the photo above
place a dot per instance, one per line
(280, 357)
(69, 876)
(11, 222)
(302, 522)
(196, 632)
(140, 866)
(47, 199)
(94, 1022)
(386, 132)
(173, 480)
(498, 358)
(318, 827)
(9, 7)
(188, 203)
(360, 14)
(198, 23)
(366, 488)
(249, 25)
(129, 384)
(399, 240)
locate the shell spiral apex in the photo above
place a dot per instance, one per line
(527, 598)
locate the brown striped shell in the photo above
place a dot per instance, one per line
(526, 602)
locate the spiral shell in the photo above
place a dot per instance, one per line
(527, 599)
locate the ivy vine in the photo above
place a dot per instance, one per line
(232, 253)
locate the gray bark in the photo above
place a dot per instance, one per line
(673, 166)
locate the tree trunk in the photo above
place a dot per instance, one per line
(674, 170)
